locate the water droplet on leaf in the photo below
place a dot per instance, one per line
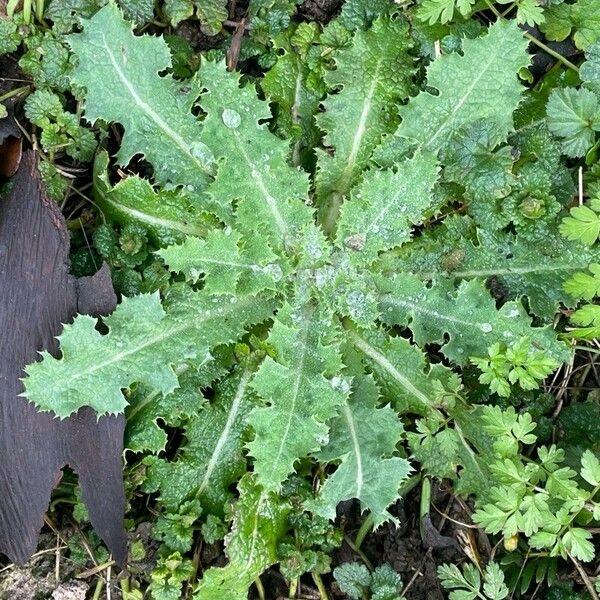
(231, 118)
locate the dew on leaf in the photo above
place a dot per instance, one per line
(231, 118)
(485, 327)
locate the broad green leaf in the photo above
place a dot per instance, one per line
(364, 438)
(582, 18)
(259, 522)
(211, 13)
(590, 468)
(120, 74)
(469, 88)
(371, 76)
(574, 116)
(211, 459)
(252, 162)
(300, 394)
(468, 316)
(168, 215)
(584, 223)
(442, 11)
(229, 263)
(143, 343)
(381, 212)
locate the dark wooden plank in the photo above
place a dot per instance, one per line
(37, 295)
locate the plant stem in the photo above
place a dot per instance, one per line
(548, 50)
(425, 503)
(364, 530)
(98, 589)
(319, 583)
(259, 588)
(14, 92)
(534, 40)
(293, 588)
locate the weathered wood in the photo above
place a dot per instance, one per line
(37, 295)
(10, 143)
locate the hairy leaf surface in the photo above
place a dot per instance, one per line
(143, 343)
(120, 73)
(300, 393)
(258, 523)
(371, 76)
(364, 438)
(469, 88)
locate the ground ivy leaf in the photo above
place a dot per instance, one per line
(253, 169)
(371, 76)
(470, 86)
(211, 13)
(143, 343)
(384, 207)
(211, 459)
(364, 438)
(120, 74)
(468, 315)
(301, 397)
(258, 523)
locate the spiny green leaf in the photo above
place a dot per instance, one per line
(143, 343)
(168, 215)
(251, 545)
(401, 370)
(469, 87)
(364, 438)
(536, 269)
(252, 161)
(468, 316)
(300, 393)
(120, 73)
(211, 459)
(371, 76)
(295, 83)
(381, 212)
(229, 263)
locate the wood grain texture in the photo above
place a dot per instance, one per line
(37, 295)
